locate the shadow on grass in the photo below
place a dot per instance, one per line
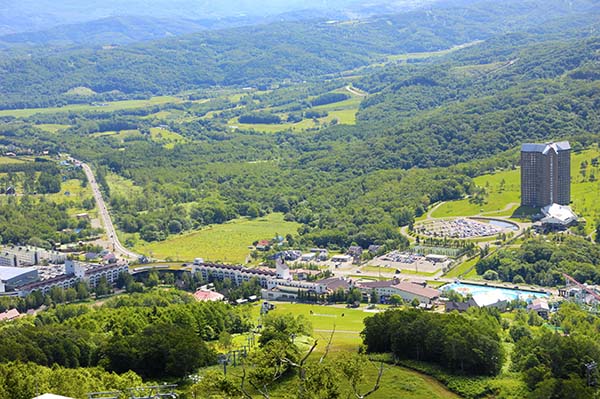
(525, 212)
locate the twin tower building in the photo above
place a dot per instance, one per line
(545, 174)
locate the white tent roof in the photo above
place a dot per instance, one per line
(559, 214)
(51, 396)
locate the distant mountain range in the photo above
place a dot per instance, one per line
(71, 22)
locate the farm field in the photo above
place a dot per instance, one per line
(110, 106)
(226, 242)
(343, 111)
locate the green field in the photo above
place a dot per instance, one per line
(226, 242)
(110, 106)
(324, 319)
(9, 160)
(166, 137)
(52, 127)
(502, 199)
(343, 111)
(460, 270)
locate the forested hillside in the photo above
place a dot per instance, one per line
(263, 55)
(426, 127)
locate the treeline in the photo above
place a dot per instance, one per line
(542, 262)
(468, 344)
(260, 117)
(26, 380)
(34, 220)
(156, 334)
(329, 98)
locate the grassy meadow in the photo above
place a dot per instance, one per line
(343, 111)
(226, 242)
(110, 106)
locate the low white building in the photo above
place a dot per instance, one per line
(17, 256)
(237, 274)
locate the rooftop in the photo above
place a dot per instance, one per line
(544, 148)
(417, 289)
(333, 283)
(377, 284)
(556, 213)
(202, 295)
(7, 273)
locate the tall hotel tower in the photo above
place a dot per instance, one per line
(545, 174)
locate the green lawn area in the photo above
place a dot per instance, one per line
(166, 137)
(496, 203)
(463, 268)
(52, 127)
(110, 106)
(9, 160)
(226, 242)
(585, 191)
(76, 192)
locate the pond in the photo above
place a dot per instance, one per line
(503, 224)
(497, 293)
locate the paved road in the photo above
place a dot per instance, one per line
(104, 215)
(355, 92)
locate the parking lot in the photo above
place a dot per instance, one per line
(457, 228)
(407, 261)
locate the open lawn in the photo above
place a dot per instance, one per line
(108, 106)
(9, 160)
(503, 190)
(226, 242)
(166, 137)
(460, 270)
(52, 127)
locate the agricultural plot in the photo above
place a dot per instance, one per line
(100, 107)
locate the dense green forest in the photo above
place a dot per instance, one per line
(542, 262)
(468, 345)
(154, 334)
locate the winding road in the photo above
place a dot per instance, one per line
(111, 234)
